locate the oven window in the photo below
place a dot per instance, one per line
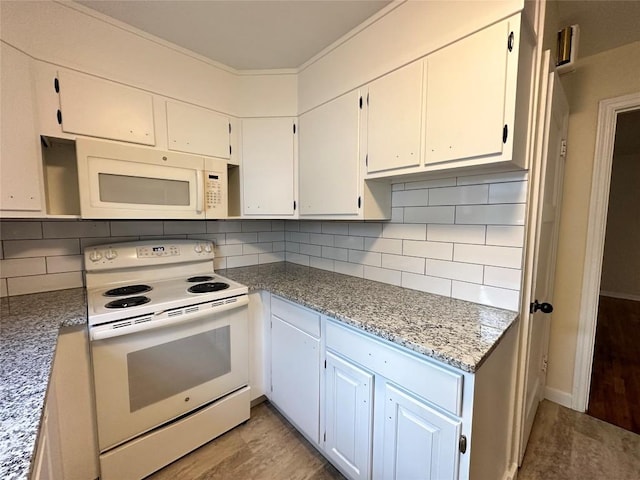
(142, 190)
(159, 372)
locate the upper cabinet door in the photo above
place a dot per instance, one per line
(268, 153)
(329, 157)
(100, 108)
(19, 142)
(466, 87)
(394, 119)
(198, 130)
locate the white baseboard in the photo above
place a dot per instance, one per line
(624, 296)
(558, 396)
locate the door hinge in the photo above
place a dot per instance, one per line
(505, 134)
(510, 42)
(545, 364)
(59, 114)
(462, 444)
(359, 201)
(56, 85)
(563, 148)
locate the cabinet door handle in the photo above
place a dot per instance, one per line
(510, 41)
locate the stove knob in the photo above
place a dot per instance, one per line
(207, 247)
(95, 256)
(110, 254)
(198, 248)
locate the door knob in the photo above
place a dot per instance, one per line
(543, 307)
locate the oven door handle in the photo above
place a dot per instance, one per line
(162, 319)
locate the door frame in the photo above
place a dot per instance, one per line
(608, 111)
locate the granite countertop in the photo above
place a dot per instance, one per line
(29, 326)
(456, 332)
(459, 333)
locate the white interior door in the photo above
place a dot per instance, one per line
(543, 237)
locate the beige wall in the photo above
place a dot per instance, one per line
(621, 263)
(606, 75)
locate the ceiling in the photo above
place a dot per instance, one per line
(273, 34)
(244, 34)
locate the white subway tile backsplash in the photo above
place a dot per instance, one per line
(67, 263)
(321, 263)
(456, 233)
(172, 227)
(501, 214)
(223, 226)
(321, 239)
(216, 238)
(438, 250)
(509, 257)
(335, 228)
(383, 275)
(439, 182)
(310, 226)
(279, 246)
(306, 249)
(397, 215)
(397, 186)
(292, 247)
(429, 214)
(509, 192)
(271, 236)
(257, 248)
(90, 242)
(292, 226)
(20, 267)
(297, 237)
(506, 236)
(20, 230)
(455, 270)
(270, 257)
(355, 243)
(403, 262)
(4, 292)
(464, 195)
(346, 268)
(425, 283)
(277, 225)
(78, 229)
(341, 254)
(250, 237)
(384, 245)
(135, 228)
(228, 250)
(40, 248)
(243, 261)
(256, 226)
(410, 198)
(365, 258)
(43, 283)
(220, 263)
(297, 258)
(365, 229)
(502, 277)
(492, 296)
(404, 231)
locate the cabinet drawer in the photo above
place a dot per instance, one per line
(306, 320)
(438, 385)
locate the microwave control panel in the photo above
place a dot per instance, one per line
(215, 193)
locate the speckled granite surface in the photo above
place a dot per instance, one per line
(459, 333)
(29, 327)
(456, 332)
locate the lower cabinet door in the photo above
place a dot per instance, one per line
(295, 376)
(419, 442)
(349, 416)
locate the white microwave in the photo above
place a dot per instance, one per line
(123, 181)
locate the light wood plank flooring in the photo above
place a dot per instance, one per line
(615, 378)
(564, 445)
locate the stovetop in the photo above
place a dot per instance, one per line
(164, 295)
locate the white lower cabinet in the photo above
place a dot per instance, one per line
(295, 365)
(349, 416)
(419, 441)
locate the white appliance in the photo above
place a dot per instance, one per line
(116, 180)
(169, 349)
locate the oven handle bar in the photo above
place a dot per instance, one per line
(163, 319)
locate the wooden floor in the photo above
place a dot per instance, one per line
(615, 378)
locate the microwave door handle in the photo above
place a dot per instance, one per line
(199, 194)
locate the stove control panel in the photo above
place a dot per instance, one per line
(158, 251)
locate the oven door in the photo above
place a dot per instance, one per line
(145, 379)
(123, 181)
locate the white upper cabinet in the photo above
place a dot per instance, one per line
(467, 91)
(99, 108)
(394, 119)
(20, 156)
(198, 130)
(329, 167)
(268, 166)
